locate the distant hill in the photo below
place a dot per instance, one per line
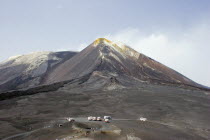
(29, 70)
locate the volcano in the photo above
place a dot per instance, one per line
(39, 91)
(106, 59)
(104, 63)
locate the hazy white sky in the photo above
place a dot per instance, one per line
(174, 32)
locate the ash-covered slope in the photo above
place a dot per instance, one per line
(106, 60)
(27, 71)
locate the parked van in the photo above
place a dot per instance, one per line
(143, 119)
(99, 119)
(90, 118)
(70, 119)
(106, 120)
(107, 117)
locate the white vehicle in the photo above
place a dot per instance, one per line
(143, 119)
(94, 118)
(107, 117)
(106, 120)
(90, 118)
(99, 119)
(70, 119)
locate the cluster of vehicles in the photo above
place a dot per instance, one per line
(92, 118)
(105, 119)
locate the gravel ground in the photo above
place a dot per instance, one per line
(173, 113)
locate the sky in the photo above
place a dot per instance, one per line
(173, 32)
